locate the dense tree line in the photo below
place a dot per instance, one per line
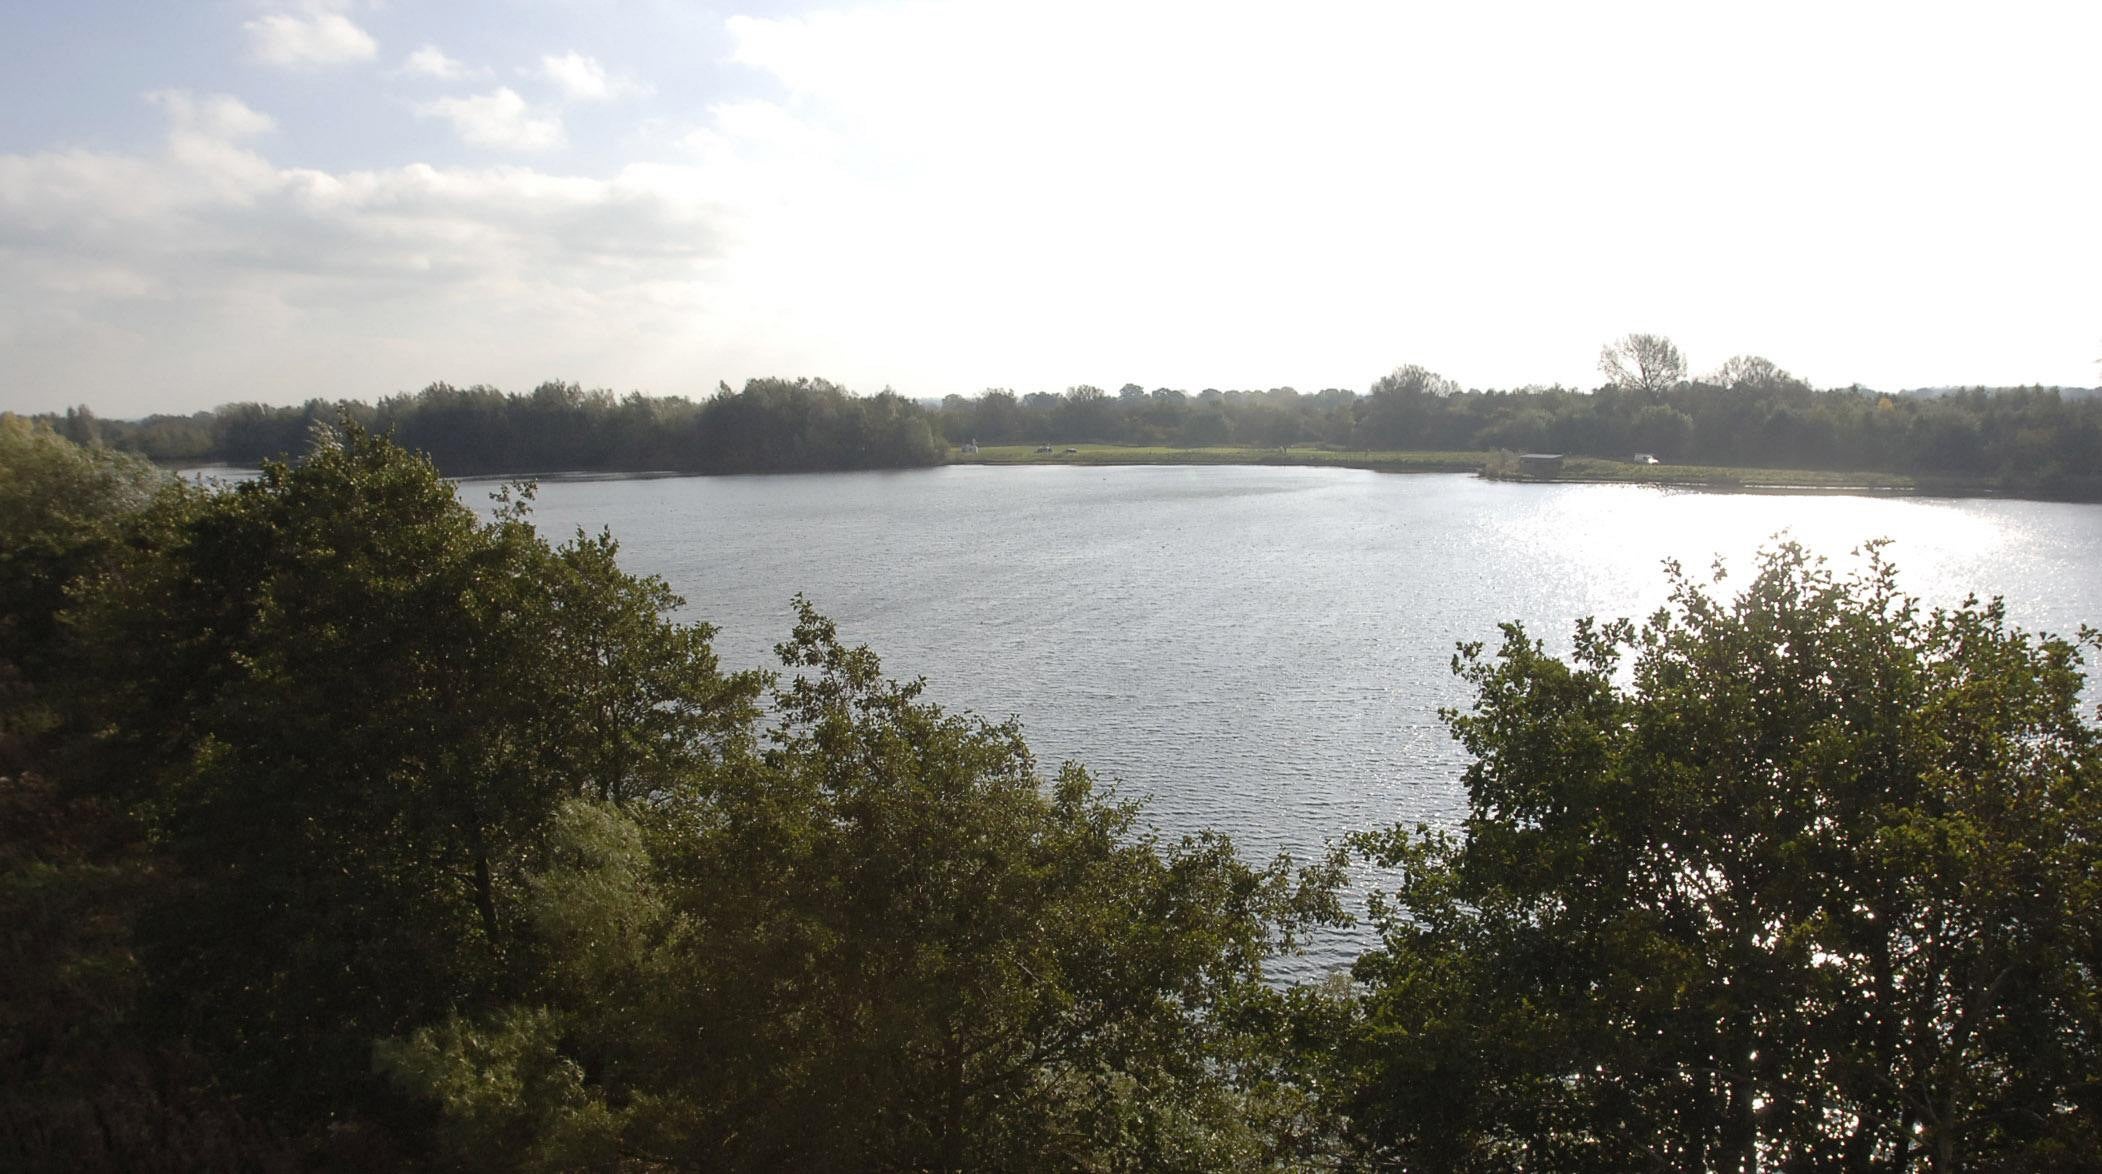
(341, 828)
(1746, 413)
(1750, 414)
(771, 426)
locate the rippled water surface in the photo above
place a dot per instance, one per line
(1263, 651)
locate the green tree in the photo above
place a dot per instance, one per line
(999, 416)
(1088, 413)
(61, 505)
(882, 942)
(81, 1086)
(346, 710)
(1657, 428)
(1808, 881)
(1397, 414)
(1755, 373)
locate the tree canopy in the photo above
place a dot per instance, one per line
(896, 947)
(346, 707)
(343, 827)
(1803, 879)
(430, 843)
(1748, 412)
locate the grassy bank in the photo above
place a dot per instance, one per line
(1504, 466)
(1121, 454)
(1713, 476)
(2042, 487)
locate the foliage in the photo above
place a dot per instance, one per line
(773, 425)
(1748, 413)
(60, 505)
(81, 1085)
(345, 709)
(1756, 372)
(895, 948)
(1809, 881)
(385, 835)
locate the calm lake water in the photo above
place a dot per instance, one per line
(1262, 651)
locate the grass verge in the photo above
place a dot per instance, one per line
(1123, 454)
(1504, 466)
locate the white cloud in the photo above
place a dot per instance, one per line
(312, 36)
(499, 119)
(204, 272)
(431, 61)
(583, 79)
(217, 116)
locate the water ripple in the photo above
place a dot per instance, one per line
(1262, 651)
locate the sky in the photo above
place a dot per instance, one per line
(230, 200)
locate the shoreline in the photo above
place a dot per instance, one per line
(1576, 471)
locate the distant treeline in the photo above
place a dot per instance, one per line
(1749, 413)
(2026, 437)
(773, 425)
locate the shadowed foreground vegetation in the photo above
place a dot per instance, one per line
(342, 829)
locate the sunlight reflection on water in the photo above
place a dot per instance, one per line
(1258, 650)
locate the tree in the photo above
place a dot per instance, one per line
(1518, 430)
(883, 943)
(80, 1087)
(1756, 374)
(999, 416)
(1410, 379)
(1397, 414)
(1088, 413)
(1642, 362)
(1812, 882)
(1658, 428)
(778, 425)
(60, 506)
(346, 710)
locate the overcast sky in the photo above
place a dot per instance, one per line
(277, 199)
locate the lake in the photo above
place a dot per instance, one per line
(1258, 650)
